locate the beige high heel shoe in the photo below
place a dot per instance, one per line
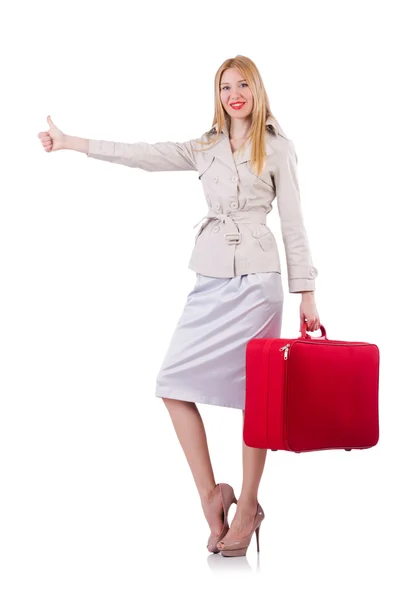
(240, 547)
(228, 498)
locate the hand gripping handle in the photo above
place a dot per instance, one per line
(306, 336)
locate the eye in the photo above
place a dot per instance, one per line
(226, 86)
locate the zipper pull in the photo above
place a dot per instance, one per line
(285, 348)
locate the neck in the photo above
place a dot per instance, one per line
(239, 129)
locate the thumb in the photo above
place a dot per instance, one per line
(49, 121)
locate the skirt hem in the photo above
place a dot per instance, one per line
(188, 396)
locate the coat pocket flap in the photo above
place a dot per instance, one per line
(263, 234)
(258, 230)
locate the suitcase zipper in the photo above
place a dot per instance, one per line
(285, 348)
(329, 342)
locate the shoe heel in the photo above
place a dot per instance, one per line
(257, 537)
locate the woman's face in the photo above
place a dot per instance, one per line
(234, 88)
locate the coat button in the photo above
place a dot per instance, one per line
(217, 206)
(216, 229)
(233, 205)
(256, 233)
(234, 178)
(312, 272)
(216, 178)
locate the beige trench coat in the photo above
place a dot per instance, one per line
(234, 238)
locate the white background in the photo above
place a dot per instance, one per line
(97, 500)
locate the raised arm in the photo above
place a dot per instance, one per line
(161, 156)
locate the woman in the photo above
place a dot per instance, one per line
(244, 162)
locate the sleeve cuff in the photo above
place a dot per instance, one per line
(302, 279)
(301, 285)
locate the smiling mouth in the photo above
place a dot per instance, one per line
(237, 106)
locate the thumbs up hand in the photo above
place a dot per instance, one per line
(53, 139)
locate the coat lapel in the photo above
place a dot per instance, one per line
(223, 151)
(245, 155)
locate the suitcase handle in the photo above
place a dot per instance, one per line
(306, 336)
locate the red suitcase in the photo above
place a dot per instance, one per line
(311, 393)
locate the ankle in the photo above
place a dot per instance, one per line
(247, 502)
(207, 494)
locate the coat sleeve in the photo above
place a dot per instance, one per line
(301, 271)
(161, 156)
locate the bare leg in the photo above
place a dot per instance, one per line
(190, 430)
(253, 465)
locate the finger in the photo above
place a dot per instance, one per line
(49, 121)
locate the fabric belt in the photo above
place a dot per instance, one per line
(247, 216)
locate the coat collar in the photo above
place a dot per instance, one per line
(223, 151)
(271, 122)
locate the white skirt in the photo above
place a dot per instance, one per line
(205, 360)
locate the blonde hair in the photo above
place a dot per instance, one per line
(259, 115)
